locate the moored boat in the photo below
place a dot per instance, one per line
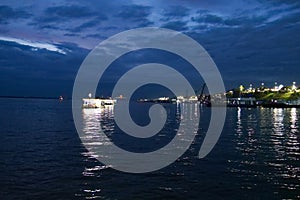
(97, 103)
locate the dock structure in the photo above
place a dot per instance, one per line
(241, 102)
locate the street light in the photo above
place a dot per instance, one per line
(294, 86)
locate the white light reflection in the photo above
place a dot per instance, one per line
(239, 121)
(92, 119)
(278, 136)
(278, 116)
(92, 122)
(196, 109)
(294, 119)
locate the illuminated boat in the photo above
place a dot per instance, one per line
(97, 103)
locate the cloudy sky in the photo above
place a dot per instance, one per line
(43, 44)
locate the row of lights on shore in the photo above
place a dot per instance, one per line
(276, 86)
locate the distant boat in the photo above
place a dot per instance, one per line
(61, 98)
(97, 103)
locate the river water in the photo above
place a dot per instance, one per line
(42, 156)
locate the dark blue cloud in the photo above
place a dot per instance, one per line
(27, 71)
(208, 18)
(96, 35)
(217, 21)
(67, 12)
(175, 12)
(176, 25)
(290, 20)
(260, 15)
(254, 55)
(89, 24)
(295, 3)
(129, 60)
(71, 34)
(134, 12)
(57, 16)
(7, 13)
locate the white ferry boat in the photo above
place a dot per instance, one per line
(97, 103)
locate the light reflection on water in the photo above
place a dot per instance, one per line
(103, 118)
(265, 156)
(294, 120)
(268, 142)
(94, 119)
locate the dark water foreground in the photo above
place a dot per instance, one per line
(41, 157)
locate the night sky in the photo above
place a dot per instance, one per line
(43, 44)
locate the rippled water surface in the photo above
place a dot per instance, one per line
(257, 156)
